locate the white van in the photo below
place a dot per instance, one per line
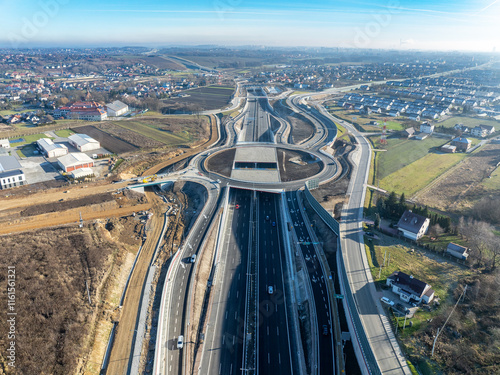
(180, 342)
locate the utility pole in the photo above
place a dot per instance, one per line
(441, 330)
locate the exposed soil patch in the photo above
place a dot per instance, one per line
(55, 322)
(108, 141)
(222, 162)
(26, 190)
(296, 165)
(130, 136)
(127, 197)
(302, 129)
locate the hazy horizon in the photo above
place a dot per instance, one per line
(400, 25)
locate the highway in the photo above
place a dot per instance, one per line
(223, 348)
(326, 351)
(256, 123)
(273, 346)
(169, 359)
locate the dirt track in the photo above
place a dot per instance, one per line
(122, 345)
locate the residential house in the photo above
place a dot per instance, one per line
(408, 132)
(413, 226)
(462, 144)
(460, 252)
(482, 131)
(426, 127)
(409, 288)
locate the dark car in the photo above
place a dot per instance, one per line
(325, 331)
(274, 224)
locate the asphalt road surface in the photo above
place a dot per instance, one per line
(326, 352)
(273, 334)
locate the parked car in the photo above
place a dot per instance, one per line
(387, 301)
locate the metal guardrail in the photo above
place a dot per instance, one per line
(364, 345)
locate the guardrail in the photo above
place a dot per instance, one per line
(353, 319)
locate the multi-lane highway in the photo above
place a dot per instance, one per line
(273, 346)
(323, 316)
(256, 123)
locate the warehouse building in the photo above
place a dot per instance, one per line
(117, 108)
(75, 160)
(83, 142)
(51, 149)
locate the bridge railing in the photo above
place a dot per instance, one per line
(368, 363)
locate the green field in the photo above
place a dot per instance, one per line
(402, 152)
(493, 183)
(29, 139)
(27, 151)
(9, 112)
(420, 173)
(65, 133)
(154, 133)
(442, 275)
(469, 121)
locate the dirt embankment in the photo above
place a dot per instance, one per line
(55, 323)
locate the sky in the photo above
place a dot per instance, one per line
(389, 24)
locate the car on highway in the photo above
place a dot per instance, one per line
(270, 289)
(180, 342)
(325, 330)
(267, 217)
(237, 206)
(387, 301)
(274, 224)
(193, 258)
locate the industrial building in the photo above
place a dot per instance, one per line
(83, 142)
(117, 108)
(12, 178)
(4, 143)
(74, 160)
(51, 149)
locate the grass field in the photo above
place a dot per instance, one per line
(420, 173)
(23, 126)
(440, 273)
(493, 183)
(8, 112)
(469, 121)
(151, 132)
(65, 133)
(402, 152)
(29, 139)
(27, 151)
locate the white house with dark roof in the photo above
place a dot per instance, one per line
(409, 288)
(482, 131)
(413, 226)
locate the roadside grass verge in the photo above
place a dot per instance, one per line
(64, 133)
(420, 173)
(492, 183)
(154, 133)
